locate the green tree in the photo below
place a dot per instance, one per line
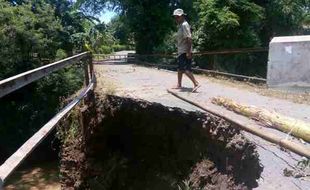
(227, 24)
(149, 21)
(283, 18)
(30, 37)
(246, 23)
(119, 28)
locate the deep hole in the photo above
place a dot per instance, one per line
(132, 144)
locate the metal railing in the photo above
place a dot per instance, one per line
(108, 57)
(168, 61)
(16, 82)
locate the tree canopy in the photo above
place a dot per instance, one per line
(228, 24)
(217, 23)
(37, 32)
(34, 33)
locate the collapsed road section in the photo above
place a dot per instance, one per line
(115, 143)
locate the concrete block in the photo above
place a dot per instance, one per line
(289, 63)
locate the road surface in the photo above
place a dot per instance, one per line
(150, 84)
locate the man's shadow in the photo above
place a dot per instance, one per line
(186, 89)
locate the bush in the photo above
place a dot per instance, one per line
(105, 49)
(61, 54)
(118, 47)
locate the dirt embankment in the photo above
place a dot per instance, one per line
(121, 143)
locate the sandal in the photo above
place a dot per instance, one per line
(196, 87)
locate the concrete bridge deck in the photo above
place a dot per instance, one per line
(151, 84)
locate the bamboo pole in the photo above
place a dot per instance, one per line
(275, 120)
(283, 142)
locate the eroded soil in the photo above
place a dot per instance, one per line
(126, 143)
(42, 176)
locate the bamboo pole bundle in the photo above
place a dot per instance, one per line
(268, 118)
(283, 142)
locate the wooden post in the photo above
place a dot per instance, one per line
(86, 79)
(91, 66)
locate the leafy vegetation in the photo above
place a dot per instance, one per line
(37, 32)
(34, 33)
(216, 24)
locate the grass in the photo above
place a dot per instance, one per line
(68, 129)
(105, 86)
(74, 125)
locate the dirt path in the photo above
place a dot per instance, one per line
(151, 84)
(42, 176)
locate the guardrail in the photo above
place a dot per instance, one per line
(13, 83)
(210, 70)
(212, 52)
(104, 57)
(16, 82)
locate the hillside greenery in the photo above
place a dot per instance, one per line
(36, 32)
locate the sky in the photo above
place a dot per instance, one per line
(107, 16)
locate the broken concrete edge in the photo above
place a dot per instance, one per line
(283, 142)
(90, 120)
(217, 131)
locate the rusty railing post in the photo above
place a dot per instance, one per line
(91, 65)
(86, 74)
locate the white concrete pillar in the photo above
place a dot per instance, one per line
(289, 63)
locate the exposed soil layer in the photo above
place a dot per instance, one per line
(39, 176)
(123, 143)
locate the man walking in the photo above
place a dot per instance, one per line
(184, 44)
